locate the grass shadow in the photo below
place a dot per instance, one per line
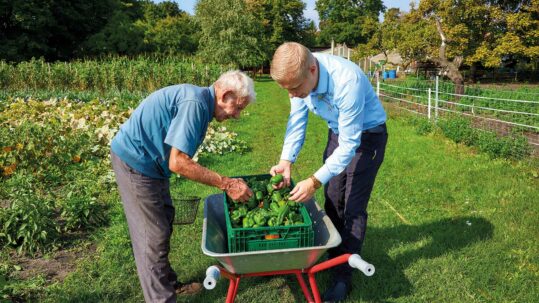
(412, 243)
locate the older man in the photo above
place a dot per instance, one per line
(161, 137)
(339, 92)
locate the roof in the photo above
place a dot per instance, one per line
(393, 58)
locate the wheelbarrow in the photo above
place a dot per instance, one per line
(296, 261)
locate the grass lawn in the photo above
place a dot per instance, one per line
(445, 224)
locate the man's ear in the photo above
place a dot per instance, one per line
(312, 68)
(228, 95)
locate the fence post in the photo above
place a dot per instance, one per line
(436, 101)
(429, 107)
(377, 86)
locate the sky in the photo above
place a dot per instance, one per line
(310, 12)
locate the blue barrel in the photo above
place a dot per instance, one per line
(392, 74)
(385, 75)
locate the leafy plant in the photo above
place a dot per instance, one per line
(458, 129)
(28, 224)
(422, 126)
(219, 141)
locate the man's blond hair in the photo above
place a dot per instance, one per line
(290, 61)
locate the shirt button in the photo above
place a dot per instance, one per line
(315, 107)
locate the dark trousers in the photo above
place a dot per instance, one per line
(149, 212)
(347, 194)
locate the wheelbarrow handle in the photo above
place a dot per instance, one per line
(213, 274)
(366, 268)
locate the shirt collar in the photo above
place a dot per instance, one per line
(211, 101)
(322, 86)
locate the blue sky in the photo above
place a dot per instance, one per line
(310, 12)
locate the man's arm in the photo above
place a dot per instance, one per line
(293, 141)
(183, 165)
(295, 130)
(351, 105)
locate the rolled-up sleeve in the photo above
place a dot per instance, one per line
(295, 130)
(350, 103)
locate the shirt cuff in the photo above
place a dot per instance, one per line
(288, 156)
(323, 175)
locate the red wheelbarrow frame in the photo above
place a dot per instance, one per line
(311, 271)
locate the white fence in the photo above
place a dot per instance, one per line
(501, 115)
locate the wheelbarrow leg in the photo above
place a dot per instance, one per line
(304, 288)
(320, 267)
(232, 289)
(236, 288)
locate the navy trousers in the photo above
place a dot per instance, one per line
(347, 194)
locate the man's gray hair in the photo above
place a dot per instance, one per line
(238, 82)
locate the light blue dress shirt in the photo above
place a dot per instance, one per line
(174, 116)
(344, 97)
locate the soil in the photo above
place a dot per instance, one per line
(54, 267)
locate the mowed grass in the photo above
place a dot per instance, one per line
(445, 224)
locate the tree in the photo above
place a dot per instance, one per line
(415, 39)
(51, 29)
(348, 21)
(310, 36)
(385, 37)
(174, 35)
(473, 32)
(157, 11)
(120, 35)
(282, 20)
(229, 34)
(168, 29)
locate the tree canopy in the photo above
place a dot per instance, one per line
(63, 30)
(487, 33)
(349, 21)
(229, 35)
(245, 33)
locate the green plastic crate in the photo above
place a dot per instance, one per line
(253, 239)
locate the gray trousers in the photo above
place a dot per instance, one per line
(149, 212)
(347, 194)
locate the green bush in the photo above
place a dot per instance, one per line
(79, 201)
(511, 147)
(458, 129)
(28, 224)
(82, 212)
(422, 126)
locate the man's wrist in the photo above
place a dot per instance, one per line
(225, 183)
(285, 162)
(316, 183)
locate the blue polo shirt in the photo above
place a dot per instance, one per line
(345, 98)
(175, 116)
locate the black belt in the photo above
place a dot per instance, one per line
(376, 130)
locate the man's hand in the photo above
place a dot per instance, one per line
(237, 189)
(303, 191)
(182, 164)
(282, 168)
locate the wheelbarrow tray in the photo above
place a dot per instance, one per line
(214, 242)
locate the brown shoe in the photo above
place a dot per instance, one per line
(189, 288)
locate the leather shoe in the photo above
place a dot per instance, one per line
(336, 293)
(188, 288)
